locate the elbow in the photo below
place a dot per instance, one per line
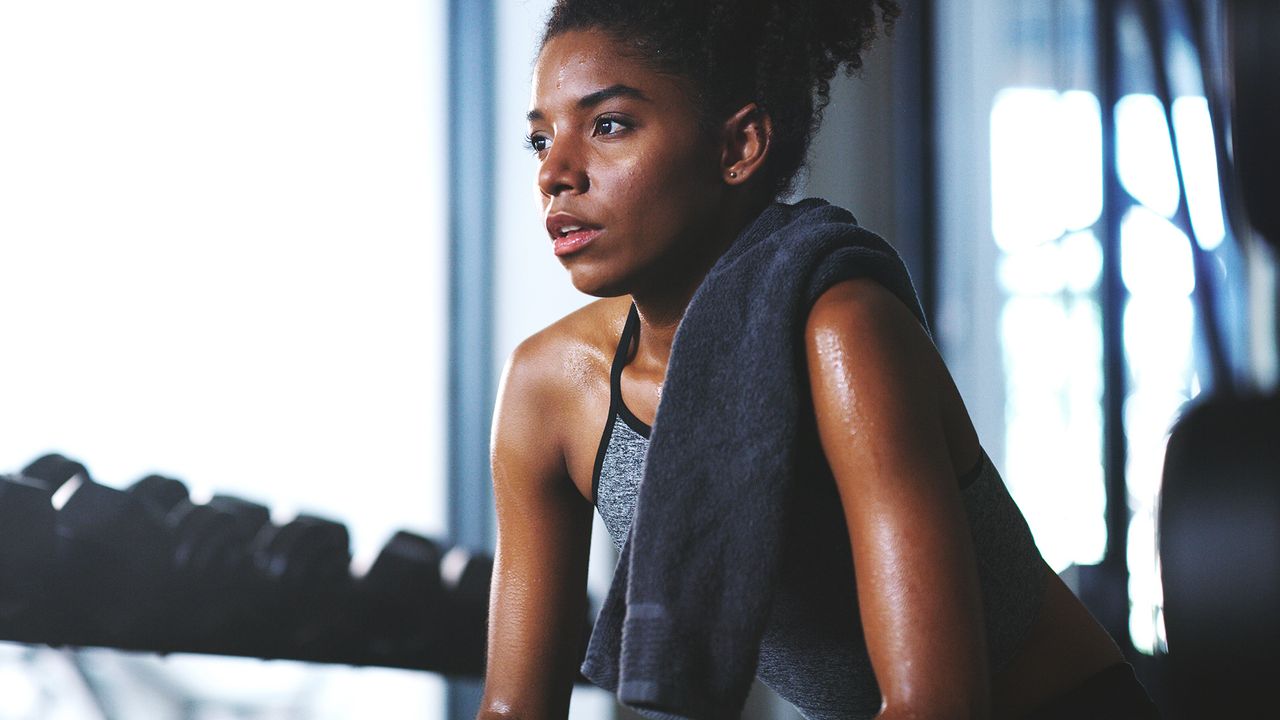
(930, 712)
(952, 707)
(936, 693)
(502, 710)
(497, 710)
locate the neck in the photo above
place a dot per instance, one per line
(662, 305)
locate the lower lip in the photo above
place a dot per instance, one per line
(575, 241)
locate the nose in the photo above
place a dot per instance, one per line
(563, 169)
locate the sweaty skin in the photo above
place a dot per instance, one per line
(895, 431)
(621, 154)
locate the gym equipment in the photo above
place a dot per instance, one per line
(251, 516)
(306, 581)
(160, 493)
(1219, 516)
(110, 573)
(210, 551)
(399, 603)
(52, 471)
(209, 540)
(148, 569)
(1220, 555)
(26, 554)
(467, 577)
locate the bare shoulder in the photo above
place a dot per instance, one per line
(865, 327)
(865, 345)
(865, 305)
(552, 381)
(864, 342)
(569, 354)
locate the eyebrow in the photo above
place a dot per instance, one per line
(589, 101)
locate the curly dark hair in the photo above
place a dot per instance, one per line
(780, 55)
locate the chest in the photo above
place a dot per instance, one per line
(622, 405)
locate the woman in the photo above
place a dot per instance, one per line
(896, 579)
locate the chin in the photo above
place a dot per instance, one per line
(595, 283)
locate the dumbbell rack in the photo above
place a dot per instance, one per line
(147, 569)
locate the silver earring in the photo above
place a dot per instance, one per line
(733, 174)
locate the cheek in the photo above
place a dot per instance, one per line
(655, 194)
(666, 189)
(678, 167)
(694, 198)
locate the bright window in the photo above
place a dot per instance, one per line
(222, 246)
(1046, 194)
(1046, 190)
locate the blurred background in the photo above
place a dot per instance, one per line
(281, 249)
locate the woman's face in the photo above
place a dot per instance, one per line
(630, 184)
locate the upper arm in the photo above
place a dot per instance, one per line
(538, 601)
(875, 378)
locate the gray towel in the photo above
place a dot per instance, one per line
(679, 633)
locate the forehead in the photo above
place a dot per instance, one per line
(579, 62)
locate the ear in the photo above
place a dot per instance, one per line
(746, 136)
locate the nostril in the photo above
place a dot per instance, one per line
(562, 187)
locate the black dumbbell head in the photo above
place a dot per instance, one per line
(54, 470)
(26, 544)
(251, 516)
(306, 552)
(159, 493)
(407, 569)
(208, 542)
(466, 575)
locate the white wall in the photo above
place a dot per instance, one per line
(851, 158)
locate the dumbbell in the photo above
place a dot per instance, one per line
(419, 607)
(54, 470)
(398, 610)
(466, 576)
(250, 586)
(294, 588)
(111, 557)
(210, 541)
(307, 565)
(26, 557)
(249, 515)
(159, 493)
(250, 626)
(210, 553)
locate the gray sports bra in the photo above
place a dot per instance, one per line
(813, 653)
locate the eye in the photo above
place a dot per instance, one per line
(608, 125)
(537, 142)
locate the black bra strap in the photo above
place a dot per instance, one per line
(620, 356)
